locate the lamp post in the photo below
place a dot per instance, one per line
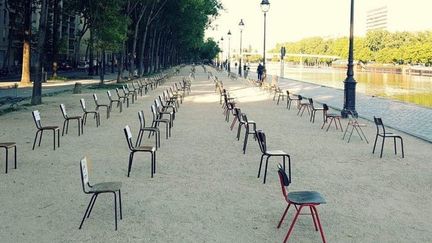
(350, 83)
(223, 61)
(229, 50)
(241, 26)
(265, 6)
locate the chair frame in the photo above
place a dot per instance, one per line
(133, 150)
(263, 147)
(86, 184)
(68, 118)
(108, 109)
(118, 101)
(151, 130)
(284, 182)
(248, 130)
(96, 115)
(353, 122)
(7, 146)
(290, 99)
(314, 110)
(124, 97)
(379, 124)
(332, 117)
(40, 129)
(156, 121)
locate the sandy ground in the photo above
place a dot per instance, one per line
(205, 189)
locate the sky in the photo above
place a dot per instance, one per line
(292, 20)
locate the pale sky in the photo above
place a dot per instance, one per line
(291, 20)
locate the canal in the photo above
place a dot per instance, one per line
(405, 88)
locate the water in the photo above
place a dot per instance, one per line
(406, 88)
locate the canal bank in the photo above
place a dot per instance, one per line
(405, 117)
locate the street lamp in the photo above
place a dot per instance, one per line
(241, 26)
(265, 6)
(223, 61)
(229, 50)
(350, 83)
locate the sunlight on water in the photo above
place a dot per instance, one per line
(406, 88)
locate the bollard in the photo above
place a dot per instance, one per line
(77, 88)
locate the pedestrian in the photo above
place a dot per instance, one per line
(260, 70)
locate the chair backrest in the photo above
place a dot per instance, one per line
(141, 119)
(261, 140)
(161, 101)
(85, 173)
(325, 107)
(311, 102)
(83, 106)
(109, 95)
(158, 105)
(63, 110)
(284, 180)
(124, 90)
(118, 93)
(244, 117)
(154, 112)
(37, 119)
(300, 97)
(128, 135)
(95, 99)
(237, 112)
(379, 124)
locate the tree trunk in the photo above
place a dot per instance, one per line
(91, 58)
(37, 84)
(55, 36)
(102, 68)
(25, 74)
(135, 39)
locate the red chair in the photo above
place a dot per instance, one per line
(300, 199)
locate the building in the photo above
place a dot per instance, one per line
(377, 19)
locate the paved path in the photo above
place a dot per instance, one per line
(408, 118)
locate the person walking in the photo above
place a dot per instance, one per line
(260, 70)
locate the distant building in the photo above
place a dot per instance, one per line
(377, 19)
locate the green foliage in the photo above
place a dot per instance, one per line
(377, 46)
(209, 50)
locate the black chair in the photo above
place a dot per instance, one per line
(250, 127)
(7, 146)
(40, 129)
(381, 132)
(95, 113)
(99, 188)
(302, 106)
(101, 105)
(162, 112)
(314, 110)
(152, 131)
(133, 150)
(157, 120)
(129, 91)
(290, 99)
(119, 103)
(300, 199)
(269, 153)
(68, 118)
(332, 117)
(236, 115)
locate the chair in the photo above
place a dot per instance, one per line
(157, 120)
(300, 199)
(96, 189)
(352, 121)
(160, 113)
(68, 118)
(101, 105)
(7, 146)
(114, 101)
(123, 98)
(302, 106)
(249, 130)
(151, 130)
(269, 153)
(280, 94)
(132, 92)
(133, 150)
(40, 128)
(139, 88)
(290, 99)
(381, 132)
(332, 117)
(165, 106)
(236, 115)
(229, 106)
(96, 115)
(277, 92)
(314, 110)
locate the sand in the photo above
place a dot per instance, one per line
(205, 189)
